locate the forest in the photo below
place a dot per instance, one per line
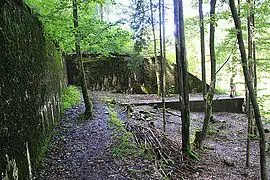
(134, 89)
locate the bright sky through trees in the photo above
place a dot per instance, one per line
(122, 5)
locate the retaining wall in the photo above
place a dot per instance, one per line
(31, 79)
(114, 74)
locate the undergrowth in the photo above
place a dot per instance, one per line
(70, 98)
(124, 145)
(44, 146)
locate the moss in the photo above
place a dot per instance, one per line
(115, 121)
(31, 80)
(44, 146)
(124, 149)
(124, 146)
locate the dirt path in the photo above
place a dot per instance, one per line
(225, 158)
(82, 150)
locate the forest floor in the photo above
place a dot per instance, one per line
(82, 150)
(90, 150)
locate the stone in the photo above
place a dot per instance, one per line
(228, 161)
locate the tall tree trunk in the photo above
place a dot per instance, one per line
(254, 51)
(155, 49)
(184, 97)
(202, 50)
(162, 65)
(164, 47)
(204, 87)
(82, 81)
(209, 97)
(254, 56)
(250, 66)
(253, 99)
(179, 78)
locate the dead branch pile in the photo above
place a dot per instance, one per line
(163, 147)
(166, 152)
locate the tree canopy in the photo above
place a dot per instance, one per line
(97, 36)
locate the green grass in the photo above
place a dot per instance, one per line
(115, 121)
(70, 98)
(125, 148)
(213, 132)
(124, 145)
(44, 146)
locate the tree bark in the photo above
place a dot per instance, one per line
(250, 66)
(209, 97)
(185, 110)
(82, 81)
(204, 87)
(254, 51)
(155, 49)
(248, 81)
(162, 66)
(202, 50)
(177, 50)
(164, 47)
(254, 57)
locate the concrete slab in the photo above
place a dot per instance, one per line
(220, 104)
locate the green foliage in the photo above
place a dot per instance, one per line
(139, 24)
(146, 152)
(115, 120)
(267, 121)
(70, 98)
(171, 90)
(145, 89)
(97, 37)
(220, 90)
(125, 148)
(264, 105)
(44, 146)
(213, 131)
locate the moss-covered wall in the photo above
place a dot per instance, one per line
(31, 79)
(101, 73)
(113, 74)
(107, 74)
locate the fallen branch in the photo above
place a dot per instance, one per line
(165, 150)
(172, 113)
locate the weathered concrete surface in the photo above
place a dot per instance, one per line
(31, 79)
(220, 104)
(114, 74)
